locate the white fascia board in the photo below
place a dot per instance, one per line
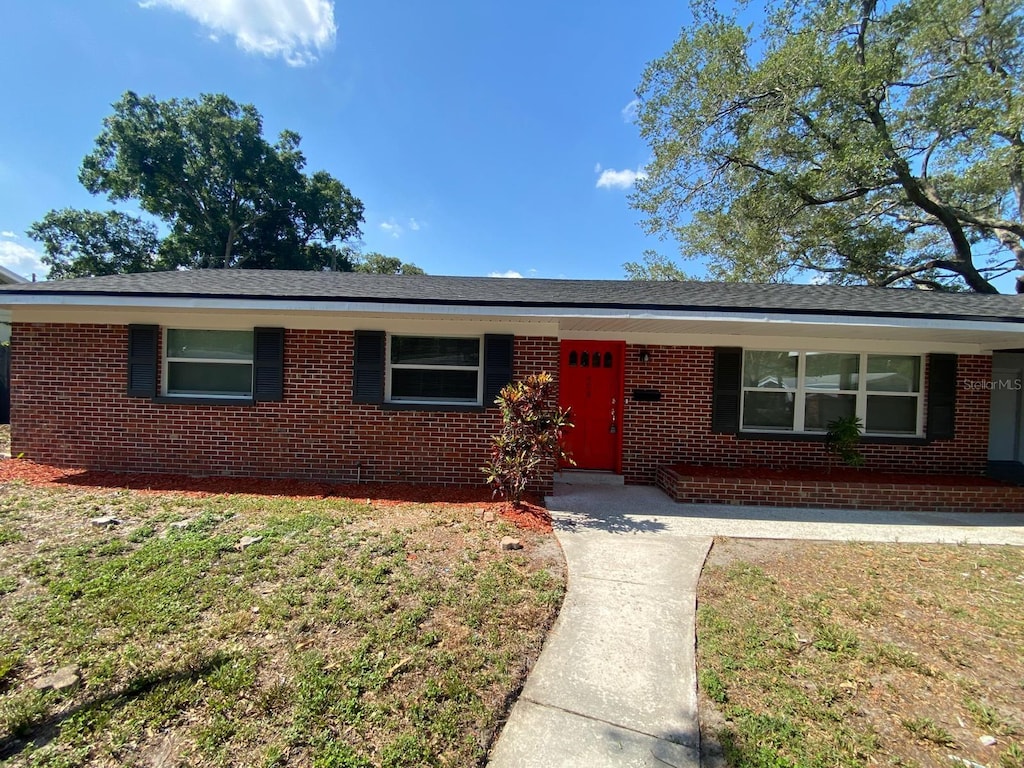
(469, 311)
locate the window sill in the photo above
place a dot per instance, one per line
(196, 400)
(819, 437)
(454, 407)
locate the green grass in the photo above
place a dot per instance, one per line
(838, 654)
(346, 636)
(928, 730)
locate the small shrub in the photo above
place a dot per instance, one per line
(531, 433)
(843, 439)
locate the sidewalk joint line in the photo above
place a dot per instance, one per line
(607, 722)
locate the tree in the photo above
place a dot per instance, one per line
(655, 266)
(379, 264)
(227, 197)
(83, 243)
(859, 140)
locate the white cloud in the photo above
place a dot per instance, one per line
(396, 228)
(296, 30)
(21, 260)
(624, 179)
(506, 273)
(8, 233)
(629, 111)
(392, 227)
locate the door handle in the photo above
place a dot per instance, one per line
(614, 427)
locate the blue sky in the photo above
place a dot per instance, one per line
(483, 138)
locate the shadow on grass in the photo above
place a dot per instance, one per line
(42, 731)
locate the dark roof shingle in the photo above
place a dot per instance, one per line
(500, 292)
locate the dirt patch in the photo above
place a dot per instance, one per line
(529, 516)
(825, 654)
(728, 551)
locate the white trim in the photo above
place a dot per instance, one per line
(167, 360)
(860, 395)
(667, 332)
(388, 366)
(449, 310)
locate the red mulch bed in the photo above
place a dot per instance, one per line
(531, 515)
(836, 475)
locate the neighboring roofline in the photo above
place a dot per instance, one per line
(12, 277)
(511, 309)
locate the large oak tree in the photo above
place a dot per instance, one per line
(224, 195)
(859, 140)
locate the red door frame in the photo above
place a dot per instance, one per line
(619, 351)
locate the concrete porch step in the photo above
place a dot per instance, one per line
(588, 477)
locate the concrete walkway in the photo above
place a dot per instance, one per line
(638, 509)
(615, 684)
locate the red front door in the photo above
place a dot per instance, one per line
(590, 383)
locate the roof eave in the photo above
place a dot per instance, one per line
(510, 310)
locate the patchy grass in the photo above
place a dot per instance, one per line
(822, 655)
(348, 635)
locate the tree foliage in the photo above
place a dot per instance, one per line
(859, 140)
(225, 196)
(84, 243)
(655, 266)
(379, 264)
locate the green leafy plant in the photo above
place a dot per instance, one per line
(843, 440)
(530, 437)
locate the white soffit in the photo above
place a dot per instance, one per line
(637, 325)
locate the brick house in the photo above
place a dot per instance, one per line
(341, 376)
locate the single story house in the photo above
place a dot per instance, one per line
(341, 376)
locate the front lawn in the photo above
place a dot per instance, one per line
(248, 630)
(831, 655)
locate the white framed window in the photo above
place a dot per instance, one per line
(804, 391)
(201, 363)
(435, 369)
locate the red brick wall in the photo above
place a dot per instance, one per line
(678, 428)
(69, 408)
(824, 494)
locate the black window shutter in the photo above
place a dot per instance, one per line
(941, 396)
(268, 364)
(497, 365)
(368, 367)
(143, 346)
(725, 399)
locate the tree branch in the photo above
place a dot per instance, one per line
(902, 274)
(923, 197)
